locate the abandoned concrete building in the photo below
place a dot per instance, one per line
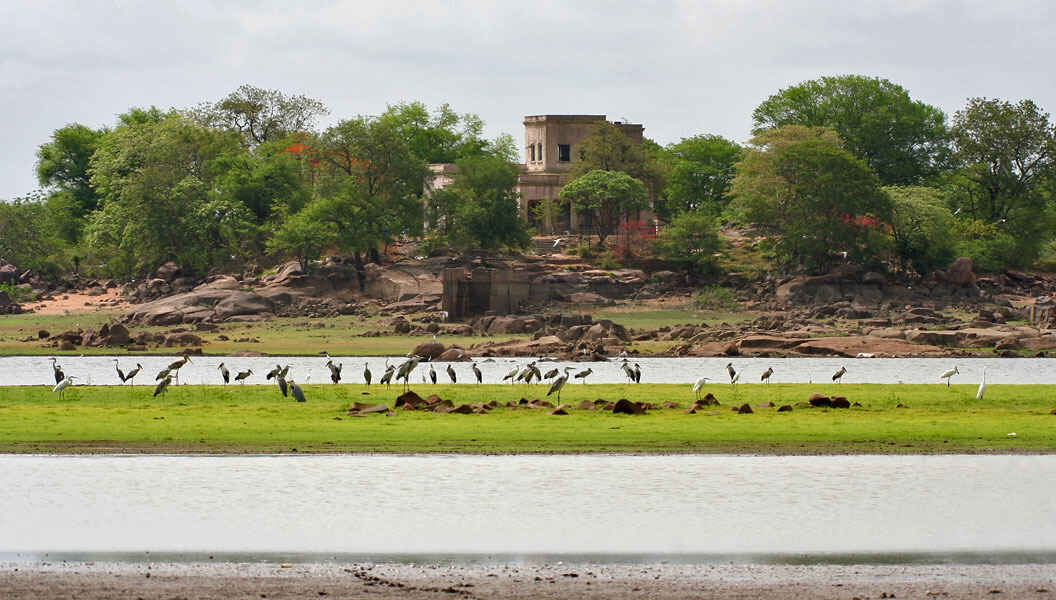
(551, 151)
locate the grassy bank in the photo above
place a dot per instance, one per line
(256, 419)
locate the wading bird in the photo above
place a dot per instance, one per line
(175, 366)
(628, 370)
(637, 373)
(162, 374)
(295, 389)
(335, 370)
(386, 377)
(367, 374)
(164, 385)
(57, 371)
(242, 375)
(512, 374)
(131, 375)
(766, 375)
(479, 375)
(281, 382)
(838, 375)
(120, 373)
(224, 373)
(699, 385)
(273, 372)
(451, 374)
(982, 387)
(583, 375)
(558, 384)
(551, 373)
(432, 374)
(61, 386)
(405, 370)
(948, 375)
(731, 371)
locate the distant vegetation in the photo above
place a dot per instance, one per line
(841, 170)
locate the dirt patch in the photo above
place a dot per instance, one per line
(74, 302)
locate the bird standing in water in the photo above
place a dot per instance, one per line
(838, 375)
(224, 373)
(766, 375)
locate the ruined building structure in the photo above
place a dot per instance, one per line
(552, 145)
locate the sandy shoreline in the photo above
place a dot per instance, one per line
(105, 580)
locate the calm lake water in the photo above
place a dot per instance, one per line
(529, 504)
(99, 370)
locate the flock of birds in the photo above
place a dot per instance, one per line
(557, 377)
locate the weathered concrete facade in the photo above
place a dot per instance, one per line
(552, 145)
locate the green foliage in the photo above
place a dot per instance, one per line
(1007, 158)
(990, 248)
(815, 199)
(157, 184)
(442, 137)
(480, 208)
(260, 115)
(63, 165)
(607, 196)
(261, 180)
(304, 237)
(691, 240)
(715, 297)
(609, 149)
(921, 228)
(700, 169)
(16, 293)
(27, 238)
(901, 139)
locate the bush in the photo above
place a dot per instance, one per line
(715, 297)
(17, 294)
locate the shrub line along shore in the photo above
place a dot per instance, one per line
(195, 419)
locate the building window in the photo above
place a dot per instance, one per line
(532, 151)
(564, 152)
(540, 151)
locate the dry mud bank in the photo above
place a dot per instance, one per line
(105, 580)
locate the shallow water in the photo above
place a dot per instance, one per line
(99, 370)
(530, 505)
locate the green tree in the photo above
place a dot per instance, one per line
(1007, 158)
(262, 179)
(27, 238)
(903, 140)
(387, 174)
(921, 228)
(815, 199)
(700, 171)
(441, 137)
(607, 148)
(156, 182)
(260, 115)
(480, 208)
(691, 240)
(62, 164)
(607, 196)
(303, 237)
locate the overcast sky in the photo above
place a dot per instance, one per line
(679, 68)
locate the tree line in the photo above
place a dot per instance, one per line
(839, 169)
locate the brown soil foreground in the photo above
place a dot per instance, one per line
(104, 581)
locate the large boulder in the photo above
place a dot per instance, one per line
(8, 273)
(960, 272)
(431, 349)
(167, 272)
(241, 303)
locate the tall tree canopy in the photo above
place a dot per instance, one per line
(700, 169)
(261, 115)
(815, 199)
(441, 137)
(607, 148)
(157, 185)
(63, 163)
(480, 209)
(903, 140)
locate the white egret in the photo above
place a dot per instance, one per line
(949, 375)
(61, 386)
(982, 387)
(700, 384)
